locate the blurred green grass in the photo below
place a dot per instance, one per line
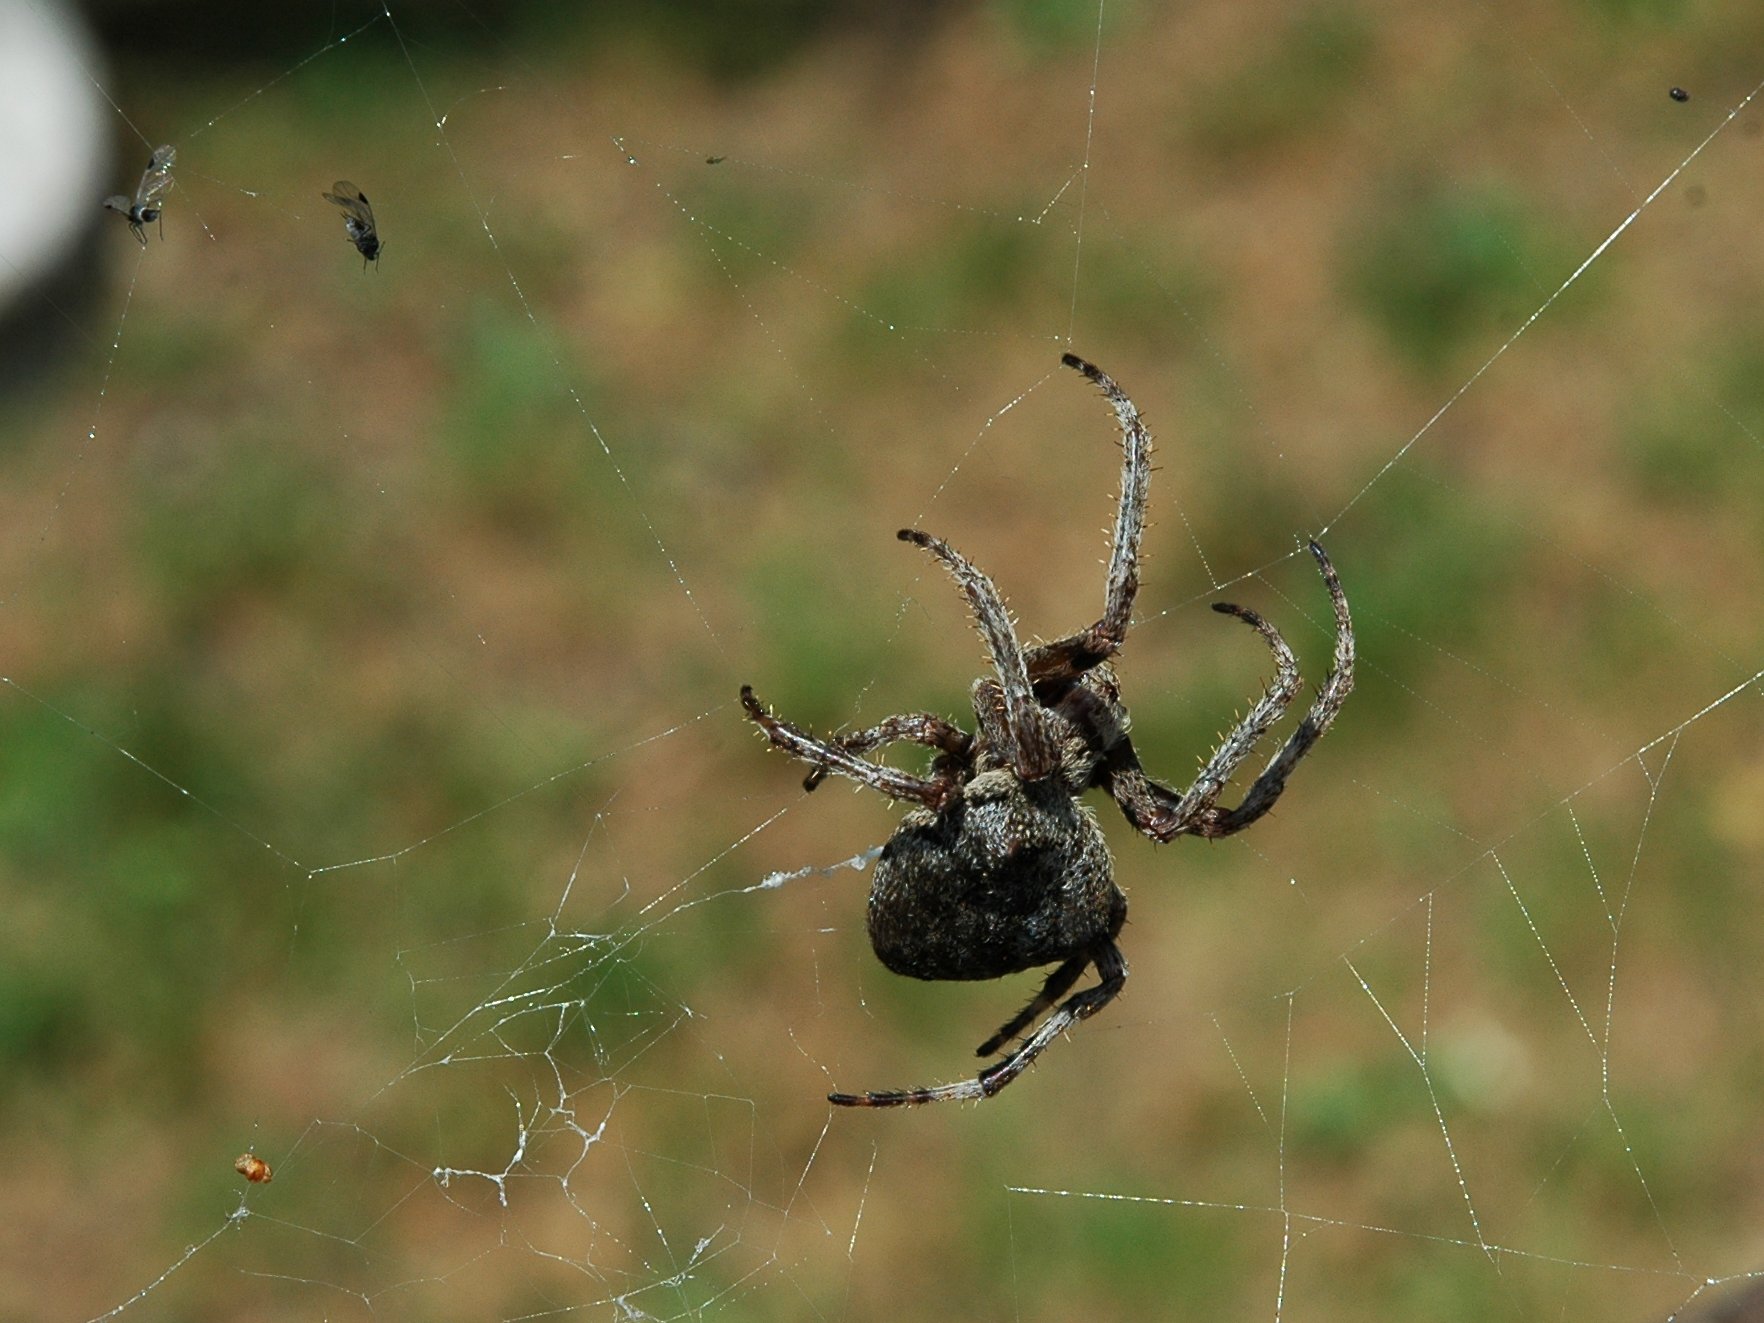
(1445, 271)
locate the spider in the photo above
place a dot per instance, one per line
(997, 868)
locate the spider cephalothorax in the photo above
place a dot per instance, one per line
(998, 867)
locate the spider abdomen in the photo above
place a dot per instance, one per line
(1004, 877)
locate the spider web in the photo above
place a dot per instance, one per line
(378, 800)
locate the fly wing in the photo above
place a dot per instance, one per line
(157, 176)
(117, 202)
(354, 203)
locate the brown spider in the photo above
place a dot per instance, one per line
(999, 868)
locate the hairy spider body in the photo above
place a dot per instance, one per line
(998, 868)
(1004, 877)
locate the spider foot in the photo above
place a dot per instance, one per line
(836, 756)
(985, 1085)
(1243, 613)
(992, 1046)
(1088, 369)
(1110, 965)
(906, 1097)
(1284, 661)
(1056, 986)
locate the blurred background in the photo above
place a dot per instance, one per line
(375, 794)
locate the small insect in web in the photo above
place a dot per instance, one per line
(998, 868)
(358, 220)
(145, 208)
(254, 1169)
(1679, 94)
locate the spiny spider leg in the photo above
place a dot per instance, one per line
(1256, 723)
(919, 727)
(1111, 966)
(1161, 814)
(1051, 991)
(1267, 787)
(1031, 752)
(1123, 582)
(800, 744)
(1067, 658)
(1157, 810)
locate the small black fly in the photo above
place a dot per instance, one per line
(145, 209)
(358, 220)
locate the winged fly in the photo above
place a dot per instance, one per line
(145, 208)
(358, 220)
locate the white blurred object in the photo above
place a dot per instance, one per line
(54, 148)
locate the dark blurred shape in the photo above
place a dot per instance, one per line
(1745, 1307)
(1679, 94)
(724, 40)
(206, 33)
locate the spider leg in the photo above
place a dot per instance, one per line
(1163, 815)
(799, 743)
(1066, 658)
(1027, 746)
(1260, 797)
(1111, 967)
(1051, 991)
(1158, 811)
(919, 727)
